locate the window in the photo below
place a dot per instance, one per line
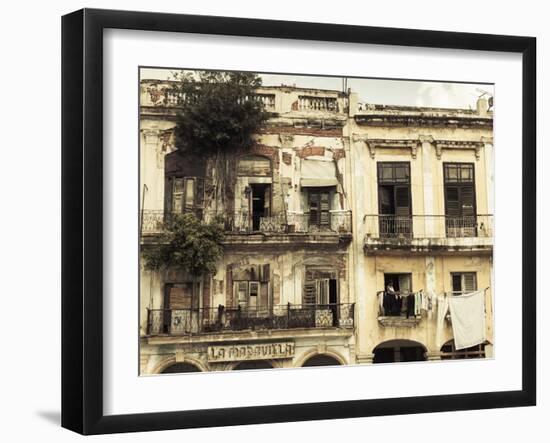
(394, 199)
(187, 193)
(460, 202)
(320, 288)
(464, 282)
(251, 294)
(319, 207)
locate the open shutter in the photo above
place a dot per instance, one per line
(402, 201)
(168, 186)
(177, 195)
(324, 206)
(310, 289)
(314, 208)
(199, 191)
(467, 200)
(470, 283)
(267, 201)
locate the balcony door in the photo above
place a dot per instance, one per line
(460, 201)
(181, 304)
(394, 199)
(319, 208)
(260, 202)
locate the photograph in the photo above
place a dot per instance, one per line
(300, 220)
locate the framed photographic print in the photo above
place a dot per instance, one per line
(273, 221)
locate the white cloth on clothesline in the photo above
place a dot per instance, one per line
(468, 319)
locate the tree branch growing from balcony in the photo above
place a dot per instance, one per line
(188, 244)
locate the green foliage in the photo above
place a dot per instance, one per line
(188, 244)
(219, 112)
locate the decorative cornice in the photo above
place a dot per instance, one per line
(458, 144)
(374, 144)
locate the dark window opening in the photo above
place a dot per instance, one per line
(394, 199)
(396, 301)
(460, 201)
(464, 282)
(177, 368)
(260, 202)
(321, 360)
(252, 364)
(399, 351)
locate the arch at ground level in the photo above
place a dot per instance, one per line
(253, 364)
(180, 367)
(321, 360)
(393, 351)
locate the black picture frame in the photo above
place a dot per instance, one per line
(82, 231)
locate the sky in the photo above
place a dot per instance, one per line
(376, 91)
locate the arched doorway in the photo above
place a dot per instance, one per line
(321, 360)
(395, 351)
(180, 367)
(252, 364)
(449, 352)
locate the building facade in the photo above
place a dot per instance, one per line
(335, 201)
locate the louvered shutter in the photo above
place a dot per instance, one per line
(467, 200)
(402, 201)
(313, 208)
(470, 283)
(452, 201)
(181, 296)
(324, 205)
(310, 289)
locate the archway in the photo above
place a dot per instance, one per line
(321, 360)
(449, 352)
(252, 364)
(180, 367)
(394, 351)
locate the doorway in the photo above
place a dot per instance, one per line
(260, 199)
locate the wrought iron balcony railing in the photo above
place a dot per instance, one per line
(428, 226)
(244, 222)
(221, 319)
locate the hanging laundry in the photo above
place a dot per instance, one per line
(468, 319)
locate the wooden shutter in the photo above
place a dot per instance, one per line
(267, 201)
(180, 296)
(467, 200)
(310, 292)
(324, 205)
(470, 283)
(199, 191)
(177, 194)
(452, 201)
(314, 208)
(168, 187)
(263, 299)
(402, 201)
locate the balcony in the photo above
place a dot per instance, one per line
(394, 311)
(221, 320)
(428, 234)
(242, 226)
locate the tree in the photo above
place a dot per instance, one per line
(219, 117)
(188, 244)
